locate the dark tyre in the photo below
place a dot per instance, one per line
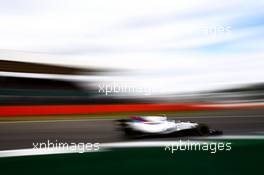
(121, 122)
(203, 130)
(130, 134)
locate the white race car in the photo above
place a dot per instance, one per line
(159, 126)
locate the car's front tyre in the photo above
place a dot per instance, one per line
(202, 130)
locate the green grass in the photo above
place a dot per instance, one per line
(246, 157)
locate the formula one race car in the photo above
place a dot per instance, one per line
(159, 126)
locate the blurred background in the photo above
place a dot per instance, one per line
(71, 52)
(70, 68)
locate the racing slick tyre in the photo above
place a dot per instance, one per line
(203, 130)
(130, 134)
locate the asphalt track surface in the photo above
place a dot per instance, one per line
(16, 135)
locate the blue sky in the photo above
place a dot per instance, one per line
(175, 45)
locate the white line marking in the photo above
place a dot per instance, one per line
(103, 147)
(33, 152)
(107, 146)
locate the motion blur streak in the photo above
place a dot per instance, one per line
(91, 109)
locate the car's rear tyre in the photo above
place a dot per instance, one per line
(131, 134)
(203, 130)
